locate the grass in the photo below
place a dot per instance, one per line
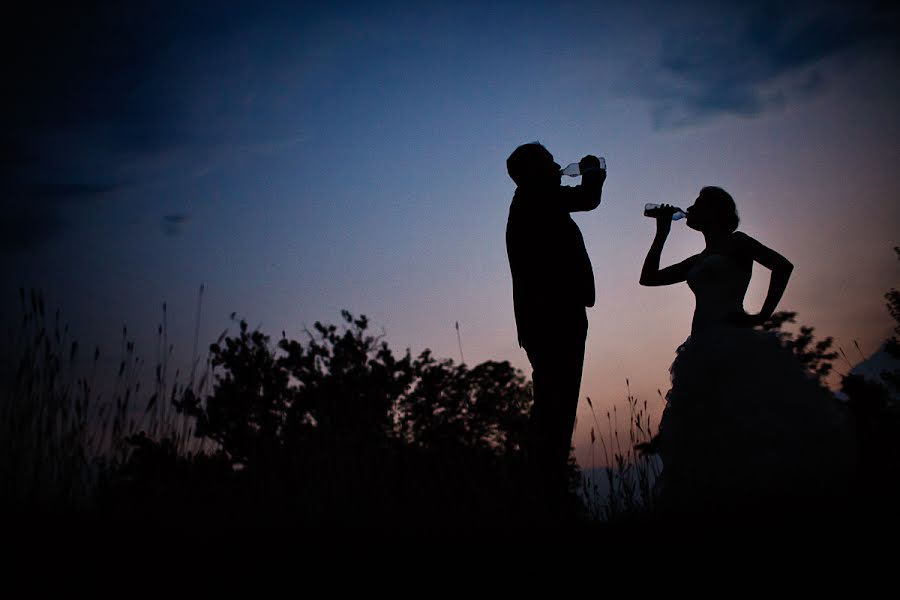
(64, 424)
(627, 493)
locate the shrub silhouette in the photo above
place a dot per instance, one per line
(815, 355)
(341, 430)
(347, 389)
(877, 420)
(484, 408)
(892, 346)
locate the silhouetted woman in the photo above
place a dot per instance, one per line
(746, 428)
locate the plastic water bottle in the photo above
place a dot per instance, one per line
(574, 170)
(650, 210)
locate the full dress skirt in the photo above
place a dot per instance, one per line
(747, 427)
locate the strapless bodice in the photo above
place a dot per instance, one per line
(719, 283)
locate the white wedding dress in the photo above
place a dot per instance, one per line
(745, 424)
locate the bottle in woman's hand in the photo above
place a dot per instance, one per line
(656, 210)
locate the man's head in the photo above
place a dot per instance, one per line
(532, 166)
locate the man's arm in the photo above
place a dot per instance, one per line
(586, 196)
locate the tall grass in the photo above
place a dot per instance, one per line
(44, 416)
(64, 423)
(630, 475)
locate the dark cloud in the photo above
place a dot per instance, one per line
(762, 57)
(123, 74)
(61, 192)
(27, 228)
(173, 225)
(35, 213)
(89, 86)
(71, 67)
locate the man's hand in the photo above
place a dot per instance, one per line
(591, 164)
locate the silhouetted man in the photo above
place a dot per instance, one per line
(553, 282)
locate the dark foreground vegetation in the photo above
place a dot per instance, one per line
(332, 431)
(337, 431)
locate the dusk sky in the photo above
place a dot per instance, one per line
(301, 159)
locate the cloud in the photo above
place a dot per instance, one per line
(111, 89)
(27, 229)
(62, 192)
(35, 213)
(173, 225)
(128, 79)
(75, 69)
(758, 59)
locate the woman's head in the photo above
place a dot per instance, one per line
(714, 208)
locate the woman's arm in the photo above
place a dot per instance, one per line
(651, 274)
(781, 273)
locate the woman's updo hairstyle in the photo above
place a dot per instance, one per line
(721, 204)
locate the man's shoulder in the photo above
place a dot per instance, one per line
(519, 209)
(529, 205)
(518, 202)
(519, 224)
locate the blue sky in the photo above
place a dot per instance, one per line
(300, 159)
